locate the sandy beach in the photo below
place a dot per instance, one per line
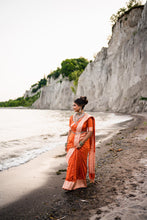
(34, 190)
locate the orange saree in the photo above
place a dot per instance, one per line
(77, 158)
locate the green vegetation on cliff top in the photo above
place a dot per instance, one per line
(129, 5)
(68, 67)
(38, 85)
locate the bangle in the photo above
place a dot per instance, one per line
(81, 143)
(65, 144)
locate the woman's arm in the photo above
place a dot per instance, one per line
(88, 135)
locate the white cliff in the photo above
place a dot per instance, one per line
(30, 93)
(56, 95)
(117, 78)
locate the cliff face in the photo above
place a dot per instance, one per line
(57, 95)
(117, 78)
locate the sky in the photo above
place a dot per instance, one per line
(37, 35)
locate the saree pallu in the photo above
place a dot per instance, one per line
(77, 158)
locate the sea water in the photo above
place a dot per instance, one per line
(27, 133)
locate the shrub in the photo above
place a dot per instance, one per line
(131, 4)
(40, 84)
(68, 66)
(143, 98)
(55, 74)
(71, 69)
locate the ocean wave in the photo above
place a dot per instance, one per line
(14, 160)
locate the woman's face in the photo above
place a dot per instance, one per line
(76, 107)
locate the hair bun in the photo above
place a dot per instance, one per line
(84, 99)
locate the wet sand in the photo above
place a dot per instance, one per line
(19, 181)
(34, 190)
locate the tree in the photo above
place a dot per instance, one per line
(70, 65)
(55, 74)
(75, 77)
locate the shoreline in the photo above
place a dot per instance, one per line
(46, 199)
(109, 123)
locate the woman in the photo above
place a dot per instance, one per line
(80, 143)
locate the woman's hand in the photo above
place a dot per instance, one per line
(78, 146)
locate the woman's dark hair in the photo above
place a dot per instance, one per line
(82, 101)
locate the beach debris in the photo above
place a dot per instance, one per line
(82, 200)
(61, 218)
(111, 149)
(64, 170)
(141, 181)
(117, 218)
(131, 195)
(119, 133)
(74, 209)
(120, 149)
(60, 171)
(109, 143)
(99, 212)
(61, 155)
(64, 134)
(116, 150)
(98, 146)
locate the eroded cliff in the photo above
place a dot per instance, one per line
(57, 95)
(117, 78)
